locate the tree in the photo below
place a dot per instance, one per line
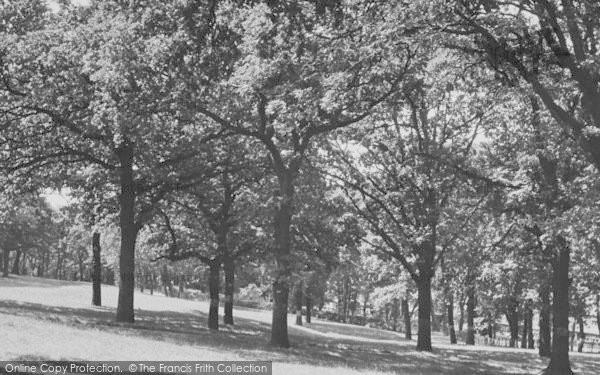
(96, 271)
(301, 73)
(404, 173)
(325, 239)
(97, 87)
(221, 205)
(549, 193)
(28, 229)
(535, 41)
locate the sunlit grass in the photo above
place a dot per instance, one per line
(48, 319)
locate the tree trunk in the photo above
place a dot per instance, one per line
(406, 316)
(395, 314)
(365, 303)
(581, 334)
(559, 359)
(16, 262)
(525, 329)
(181, 286)
(213, 287)
(41, 265)
(470, 339)
(308, 299)
(81, 269)
(598, 312)
(6, 254)
(298, 301)
(282, 222)
(128, 228)
(529, 318)
(512, 317)
(425, 261)
(96, 270)
(166, 280)
(544, 344)
(59, 261)
(572, 335)
(26, 258)
(450, 315)
(434, 322)
(424, 328)
(152, 280)
(141, 281)
(229, 269)
(339, 302)
(461, 308)
(345, 298)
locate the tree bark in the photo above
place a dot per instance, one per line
(346, 296)
(450, 315)
(512, 316)
(282, 222)
(181, 286)
(364, 308)
(425, 262)
(581, 334)
(461, 308)
(152, 281)
(544, 344)
(16, 262)
(96, 270)
(406, 317)
(572, 335)
(598, 312)
(6, 254)
(354, 303)
(340, 302)
(213, 287)
(395, 313)
(81, 269)
(559, 359)
(24, 260)
(229, 269)
(141, 281)
(529, 319)
(166, 280)
(125, 312)
(525, 329)
(59, 261)
(435, 321)
(308, 299)
(491, 324)
(424, 297)
(298, 301)
(42, 266)
(470, 339)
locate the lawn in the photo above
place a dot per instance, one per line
(53, 320)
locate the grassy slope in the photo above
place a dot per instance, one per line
(49, 319)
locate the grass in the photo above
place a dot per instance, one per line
(54, 320)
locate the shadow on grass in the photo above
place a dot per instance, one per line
(249, 339)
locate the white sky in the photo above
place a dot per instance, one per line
(54, 7)
(57, 199)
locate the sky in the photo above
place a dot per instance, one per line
(53, 4)
(57, 199)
